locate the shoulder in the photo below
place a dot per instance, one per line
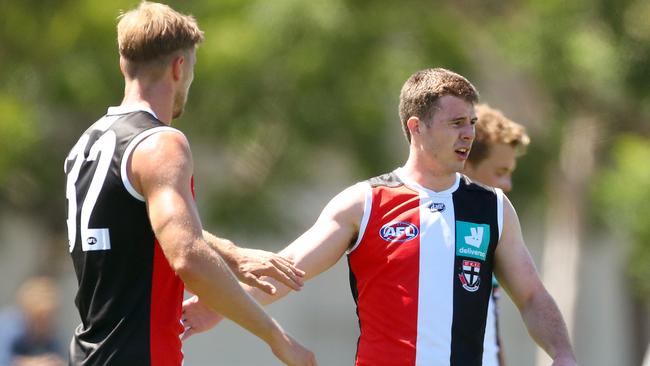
(347, 207)
(166, 147)
(390, 180)
(350, 198)
(509, 211)
(161, 157)
(161, 140)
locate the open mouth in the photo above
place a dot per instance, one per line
(462, 152)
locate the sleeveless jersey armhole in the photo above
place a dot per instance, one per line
(367, 207)
(499, 193)
(127, 154)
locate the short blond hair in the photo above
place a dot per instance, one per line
(423, 89)
(152, 31)
(493, 128)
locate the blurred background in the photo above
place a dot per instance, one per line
(295, 100)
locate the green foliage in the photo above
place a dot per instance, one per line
(279, 81)
(311, 76)
(18, 134)
(622, 193)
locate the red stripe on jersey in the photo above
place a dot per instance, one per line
(165, 322)
(387, 276)
(166, 309)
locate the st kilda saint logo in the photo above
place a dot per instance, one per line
(469, 276)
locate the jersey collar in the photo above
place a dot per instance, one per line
(124, 109)
(411, 183)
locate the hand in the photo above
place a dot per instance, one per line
(290, 352)
(250, 265)
(197, 317)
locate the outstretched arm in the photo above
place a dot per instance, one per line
(161, 169)
(320, 247)
(315, 251)
(516, 271)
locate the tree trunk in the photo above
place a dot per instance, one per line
(567, 192)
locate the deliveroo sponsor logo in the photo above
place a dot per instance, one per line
(472, 240)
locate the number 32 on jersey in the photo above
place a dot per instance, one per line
(100, 155)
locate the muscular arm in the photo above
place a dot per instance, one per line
(516, 271)
(161, 169)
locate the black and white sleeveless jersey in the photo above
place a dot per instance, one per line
(421, 271)
(129, 298)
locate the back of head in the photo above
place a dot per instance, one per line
(493, 128)
(152, 32)
(423, 89)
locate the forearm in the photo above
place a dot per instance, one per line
(210, 278)
(545, 324)
(225, 248)
(265, 298)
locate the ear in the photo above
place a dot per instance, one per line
(413, 124)
(127, 69)
(122, 65)
(177, 67)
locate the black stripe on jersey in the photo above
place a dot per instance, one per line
(355, 296)
(114, 295)
(473, 203)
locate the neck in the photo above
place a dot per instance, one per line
(428, 173)
(158, 96)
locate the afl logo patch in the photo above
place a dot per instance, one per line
(399, 231)
(437, 207)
